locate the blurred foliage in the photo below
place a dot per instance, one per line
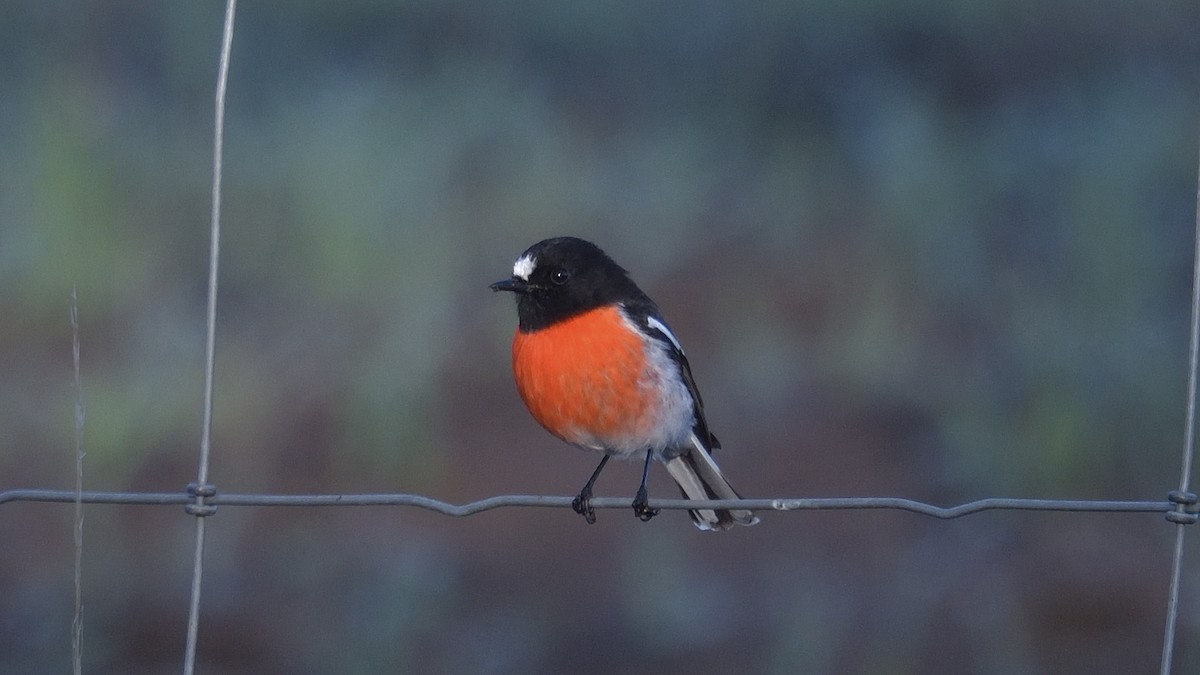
(936, 250)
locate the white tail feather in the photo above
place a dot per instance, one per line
(700, 478)
(689, 482)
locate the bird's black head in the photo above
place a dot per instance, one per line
(558, 278)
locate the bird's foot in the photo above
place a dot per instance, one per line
(641, 505)
(582, 504)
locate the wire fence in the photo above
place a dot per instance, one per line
(201, 499)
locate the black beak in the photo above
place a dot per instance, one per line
(513, 285)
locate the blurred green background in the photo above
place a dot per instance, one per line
(932, 250)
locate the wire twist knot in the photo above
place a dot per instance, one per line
(200, 492)
(1186, 510)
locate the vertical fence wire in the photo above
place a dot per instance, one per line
(77, 622)
(1189, 438)
(193, 626)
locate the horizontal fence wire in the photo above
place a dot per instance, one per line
(510, 501)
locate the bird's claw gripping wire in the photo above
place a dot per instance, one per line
(641, 505)
(583, 501)
(582, 504)
(641, 500)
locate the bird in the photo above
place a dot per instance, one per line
(598, 367)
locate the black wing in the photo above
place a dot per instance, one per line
(655, 326)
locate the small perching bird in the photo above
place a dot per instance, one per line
(598, 367)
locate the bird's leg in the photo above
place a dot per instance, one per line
(583, 501)
(641, 502)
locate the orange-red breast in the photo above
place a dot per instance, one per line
(598, 367)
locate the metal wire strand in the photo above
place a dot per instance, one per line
(189, 662)
(509, 501)
(1189, 442)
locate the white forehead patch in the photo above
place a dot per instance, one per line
(524, 267)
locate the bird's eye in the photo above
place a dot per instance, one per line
(560, 276)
